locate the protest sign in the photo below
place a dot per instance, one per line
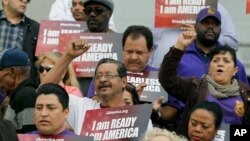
(173, 13)
(153, 90)
(49, 32)
(103, 45)
(248, 7)
(223, 133)
(120, 123)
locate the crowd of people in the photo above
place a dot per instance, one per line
(197, 66)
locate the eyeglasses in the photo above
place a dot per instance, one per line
(106, 76)
(97, 11)
(43, 68)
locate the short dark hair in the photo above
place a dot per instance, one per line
(121, 70)
(135, 31)
(211, 107)
(132, 89)
(55, 89)
(223, 50)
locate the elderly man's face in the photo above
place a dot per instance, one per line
(97, 17)
(108, 83)
(7, 81)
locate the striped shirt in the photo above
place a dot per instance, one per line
(11, 35)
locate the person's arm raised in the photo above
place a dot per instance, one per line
(185, 39)
(74, 49)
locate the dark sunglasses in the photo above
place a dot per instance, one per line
(41, 69)
(97, 11)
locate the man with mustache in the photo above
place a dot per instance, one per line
(137, 43)
(110, 81)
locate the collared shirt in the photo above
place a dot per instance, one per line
(11, 35)
(205, 56)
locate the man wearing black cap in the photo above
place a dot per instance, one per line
(98, 13)
(15, 68)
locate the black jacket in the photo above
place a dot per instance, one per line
(30, 36)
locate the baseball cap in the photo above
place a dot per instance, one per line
(14, 57)
(108, 3)
(208, 12)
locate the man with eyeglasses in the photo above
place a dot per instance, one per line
(19, 31)
(14, 73)
(98, 13)
(110, 81)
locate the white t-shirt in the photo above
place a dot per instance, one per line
(77, 110)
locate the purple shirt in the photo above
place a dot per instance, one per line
(228, 105)
(194, 63)
(63, 133)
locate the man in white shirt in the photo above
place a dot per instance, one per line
(110, 81)
(61, 11)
